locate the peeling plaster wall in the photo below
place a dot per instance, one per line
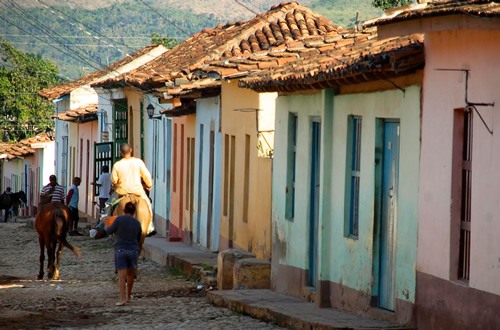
(291, 237)
(342, 260)
(351, 263)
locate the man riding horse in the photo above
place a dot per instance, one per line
(127, 176)
(53, 192)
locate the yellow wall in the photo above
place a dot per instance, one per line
(248, 225)
(134, 98)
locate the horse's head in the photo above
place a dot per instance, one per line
(22, 196)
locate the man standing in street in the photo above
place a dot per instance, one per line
(104, 184)
(72, 201)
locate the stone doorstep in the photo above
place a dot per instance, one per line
(226, 261)
(252, 273)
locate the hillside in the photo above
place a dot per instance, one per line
(82, 36)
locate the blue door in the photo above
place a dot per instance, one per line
(314, 203)
(388, 215)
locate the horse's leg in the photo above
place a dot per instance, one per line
(42, 256)
(51, 251)
(58, 261)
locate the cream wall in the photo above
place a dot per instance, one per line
(477, 51)
(291, 236)
(87, 133)
(240, 108)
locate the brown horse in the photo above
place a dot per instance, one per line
(51, 223)
(142, 212)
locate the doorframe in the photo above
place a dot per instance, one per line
(314, 201)
(377, 240)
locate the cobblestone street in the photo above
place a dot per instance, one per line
(85, 296)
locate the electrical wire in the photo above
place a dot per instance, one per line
(54, 10)
(40, 26)
(166, 19)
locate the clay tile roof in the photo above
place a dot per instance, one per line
(357, 57)
(59, 90)
(24, 147)
(80, 115)
(188, 107)
(438, 8)
(206, 87)
(283, 23)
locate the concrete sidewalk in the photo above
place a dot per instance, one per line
(267, 305)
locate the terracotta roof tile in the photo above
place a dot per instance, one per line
(355, 58)
(80, 115)
(59, 90)
(24, 147)
(438, 8)
(285, 22)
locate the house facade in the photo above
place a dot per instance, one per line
(26, 166)
(218, 209)
(458, 274)
(85, 126)
(347, 149)
(246, 185)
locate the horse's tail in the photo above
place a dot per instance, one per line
(60, 219)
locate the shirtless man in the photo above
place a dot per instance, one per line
(126, 178)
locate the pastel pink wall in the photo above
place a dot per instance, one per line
(180, 224)
(444, 91)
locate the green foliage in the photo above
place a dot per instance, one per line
(23, 111)
(121, 29)
(343, 12)
(166, 41)
(386, 4)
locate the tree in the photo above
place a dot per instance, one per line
(165, 41)
(23, 113)
(386, 4)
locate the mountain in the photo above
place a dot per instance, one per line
(81, 36)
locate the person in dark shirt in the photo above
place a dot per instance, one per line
(127, 230)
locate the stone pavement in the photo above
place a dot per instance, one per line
(267, 305)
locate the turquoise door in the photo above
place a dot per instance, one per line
(314, 203)
(388, 215)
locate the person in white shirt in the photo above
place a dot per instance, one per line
(127, 177)
(104, 184)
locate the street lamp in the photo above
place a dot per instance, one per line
(151, 114)
(151, 111)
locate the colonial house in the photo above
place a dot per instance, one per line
(87, 131)
(27, 165)
(345, 170)
(229, 138)
(457, 266)
(244, 131)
